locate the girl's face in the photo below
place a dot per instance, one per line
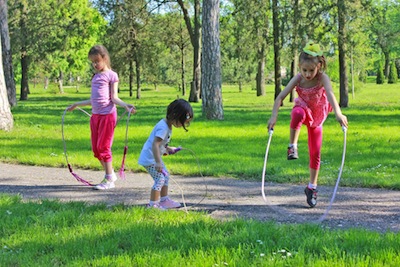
(98, 62)
(309, 70)
(178, 124)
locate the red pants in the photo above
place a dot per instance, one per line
(314, 136)
(102, 135)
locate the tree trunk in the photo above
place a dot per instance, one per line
(6, 118)
(211, 62)
(60, 81)
(295, 62)
(138, 85)
(183, 81)
(344, 98)
(24, 55)
(260, 78)
(195, 39)
(6, 53)
(130, 77)
(277, 48)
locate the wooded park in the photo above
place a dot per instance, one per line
(194, 45)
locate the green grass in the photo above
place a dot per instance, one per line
(50, 233)
(234, 147)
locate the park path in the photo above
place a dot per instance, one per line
(221, 198)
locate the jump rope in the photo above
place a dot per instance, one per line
(325, 214)
(122, 169)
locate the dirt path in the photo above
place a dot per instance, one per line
(373, 209)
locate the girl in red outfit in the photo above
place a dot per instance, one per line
(315, 100)
(104, 98)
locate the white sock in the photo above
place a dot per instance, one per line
(312, 186)
(293, 145)
(152, 203)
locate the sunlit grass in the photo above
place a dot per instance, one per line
(50, 233)
(234, 147)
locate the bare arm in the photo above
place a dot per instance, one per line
(156, 152)
(342, 119)
(80, 103)
(116, 100)
(278, 101)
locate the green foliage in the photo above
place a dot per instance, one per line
(380, 77)
(392, 79)
(51, 233)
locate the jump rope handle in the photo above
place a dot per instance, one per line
(344, 129)
(271, 131)
(179, 148)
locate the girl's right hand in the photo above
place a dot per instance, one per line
(159, 167)
(271, 123)
(71, 107)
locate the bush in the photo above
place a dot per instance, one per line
(380, 77)
(392, 79)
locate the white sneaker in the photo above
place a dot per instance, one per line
(106, 183)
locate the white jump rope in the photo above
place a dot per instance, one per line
(180, 188)
(322, 218)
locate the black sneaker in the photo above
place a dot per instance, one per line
(311, 196)
(292, 153)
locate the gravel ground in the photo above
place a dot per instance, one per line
(221, 198)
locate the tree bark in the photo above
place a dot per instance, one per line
(195, 38)
(211, 62)
(344, 91)
(24, 55)
(6, 118)
(6, 53)
(277, 48)
(260, 78)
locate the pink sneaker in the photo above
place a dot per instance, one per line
(170, 204)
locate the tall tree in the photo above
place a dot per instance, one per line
(344, 90)
(195, 38)
(211, 62)
(384, 25)
(6, 118)
(7, 55)
(277, 47)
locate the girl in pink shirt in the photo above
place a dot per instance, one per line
(103, 99)
(315, 100)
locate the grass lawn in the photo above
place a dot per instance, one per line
(49, 233)
(234, 147)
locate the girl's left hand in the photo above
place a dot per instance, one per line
(130, 108)
(342, 119)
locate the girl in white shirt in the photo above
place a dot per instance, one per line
(179, 114)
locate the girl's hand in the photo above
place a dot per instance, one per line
(342, 119)
(159, 166)
(130, 108)
(271, 123)
(71, 107)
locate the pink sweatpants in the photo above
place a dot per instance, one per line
(102, 135)
(314, 136)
